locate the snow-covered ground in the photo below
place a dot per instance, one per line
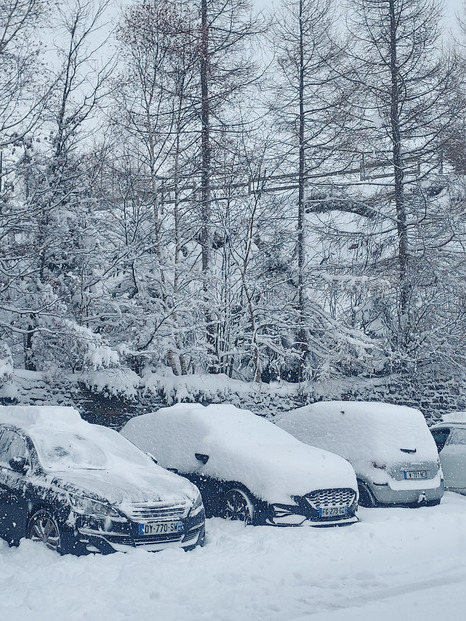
(395, 565)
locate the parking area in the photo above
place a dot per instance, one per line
(394, 564)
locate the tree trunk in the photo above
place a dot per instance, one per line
(302, 337)
(403, 302)
(205, 175)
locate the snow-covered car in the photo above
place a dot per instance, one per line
(390, 447)
(84, 488)
(450, 438)
(246, 467)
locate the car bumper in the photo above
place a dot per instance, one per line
(105, 543)
(301, 520)
(333, 507)
(457, 490)
(386, 495)
(90, 536)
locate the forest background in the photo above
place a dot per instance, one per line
(200, 202)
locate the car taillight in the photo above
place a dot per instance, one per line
(379, 466)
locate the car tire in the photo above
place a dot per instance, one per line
(238, 505)
(43, 527)
(366, 497)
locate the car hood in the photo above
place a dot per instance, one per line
(278, 473)
(141, 484)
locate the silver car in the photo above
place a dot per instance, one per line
(450, 437)
(389, 447)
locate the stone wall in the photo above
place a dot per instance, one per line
(433, 396)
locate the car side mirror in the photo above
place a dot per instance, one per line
(201, 457)
(19, 464)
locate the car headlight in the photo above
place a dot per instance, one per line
(197, 507)
(90, 507)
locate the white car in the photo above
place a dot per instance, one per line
(246, 467)
(389, 446)
(450, 437)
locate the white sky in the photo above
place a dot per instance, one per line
(452, 8)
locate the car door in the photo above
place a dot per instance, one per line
(4, 492)
(13, 486)
(453, 459)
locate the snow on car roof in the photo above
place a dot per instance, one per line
(454, 417)
(363, 431)
(241, 447)
(64, 440)
(47, 415)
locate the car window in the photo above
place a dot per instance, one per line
(440, 437)
(11, 445)
(2, 440)
(457, 436)
(62, 450)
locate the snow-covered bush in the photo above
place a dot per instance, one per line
(112, 382)
(71, 346)
(7, 386)
(6, 364)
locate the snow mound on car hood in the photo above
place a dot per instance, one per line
(125, 486)
(241, 447)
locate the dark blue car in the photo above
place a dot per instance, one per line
(83, 488)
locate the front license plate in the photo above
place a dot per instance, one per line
(160, 528)
(332, 511)
(416, 474)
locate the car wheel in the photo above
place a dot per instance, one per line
(366, 497)
(238, 506)
(43, 527)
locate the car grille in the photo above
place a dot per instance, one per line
(340, 497)
(152, 512)
(166, 538)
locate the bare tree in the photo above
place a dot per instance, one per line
(310, 109)
(226, 30)
(20, 90)
(406, 83)
(56, 183)
(154, 120)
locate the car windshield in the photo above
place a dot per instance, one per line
(84, 447)
(63, 450)
(458, 436)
